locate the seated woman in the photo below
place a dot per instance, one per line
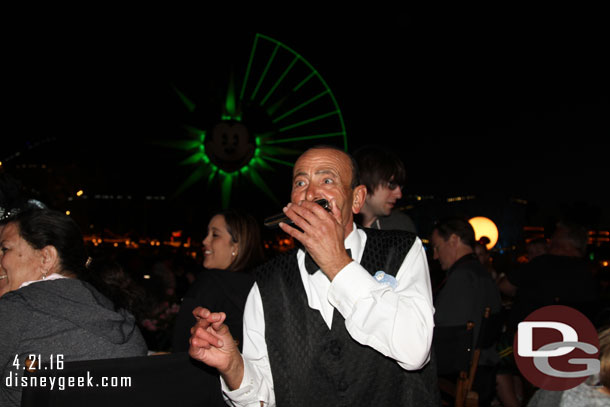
(231, 248)
(48, 310)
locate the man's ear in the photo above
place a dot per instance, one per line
(359, 198)
(454, 240)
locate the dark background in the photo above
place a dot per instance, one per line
(499, 105)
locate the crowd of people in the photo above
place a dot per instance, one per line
(345, 318)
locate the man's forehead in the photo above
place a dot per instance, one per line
(322, 160)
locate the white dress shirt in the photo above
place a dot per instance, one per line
(397, 322)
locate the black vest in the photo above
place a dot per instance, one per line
(314, 366)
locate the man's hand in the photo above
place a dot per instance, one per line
(212, 343)
(323, 234)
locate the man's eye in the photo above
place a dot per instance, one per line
(299, 183)
(328, 181)
(392, 185)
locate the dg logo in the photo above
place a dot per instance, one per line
(556, 348)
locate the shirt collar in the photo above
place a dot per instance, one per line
(54, 276)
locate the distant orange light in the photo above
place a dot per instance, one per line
(80, 192)
(604, 263)
(485, 227)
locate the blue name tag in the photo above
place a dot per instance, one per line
(386, 279)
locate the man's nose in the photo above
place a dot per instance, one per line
(311, 193)
(397, 192)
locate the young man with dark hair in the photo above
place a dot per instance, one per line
(384, 175)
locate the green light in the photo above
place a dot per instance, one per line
(289, 140)
(269, 83)
(230, 105)
(212, 175)
(302, 105)
(247, 75)
(294, 61)
(275, 150)
(258, 181)
(260, 80)
(227, 182)
(193, 159)
(320, 79)
(190, 106)
(277, 160)
(304, 81)
(304, 122)
(194, 177)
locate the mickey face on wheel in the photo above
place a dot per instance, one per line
(229, 146)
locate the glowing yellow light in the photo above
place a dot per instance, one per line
(146, 276)
(604, 263)
(68, 213)
(80, 192)
(485, 227)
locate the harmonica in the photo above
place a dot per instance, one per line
(272, 222)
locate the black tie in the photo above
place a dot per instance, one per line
(312, 267)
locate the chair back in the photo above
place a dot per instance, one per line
(453, 348)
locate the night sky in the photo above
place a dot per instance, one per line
(513, 105)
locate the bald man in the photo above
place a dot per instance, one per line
(346, 320)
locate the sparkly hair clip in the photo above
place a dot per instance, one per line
(7, 213)
(31, 203)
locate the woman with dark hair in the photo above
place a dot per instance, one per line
(48, 310)
(232, 247)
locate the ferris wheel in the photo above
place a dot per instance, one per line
(260, 116)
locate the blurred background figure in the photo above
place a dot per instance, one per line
(465, 293)
(111, 279)
(48, 310)
(536, 247)
(480, 249)
(232, 247)
(561, 276)
(384, 175)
